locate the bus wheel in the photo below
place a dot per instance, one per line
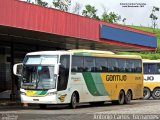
(73, 103)
(146, 93)
(121, 98)
(156, 93)
(128, 97)
(42, 106)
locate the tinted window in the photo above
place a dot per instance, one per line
(112, 65)
(130, 67)
(89, 64)
(138, 66)
(150, 68)
(63, 72)
(145, 65)
(121, 65)
(101, 65)
(158, 68)
(77, 64)
(98, 64)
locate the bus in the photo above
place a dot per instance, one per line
(151, 79)
(77, 76)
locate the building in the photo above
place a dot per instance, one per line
(26, 27)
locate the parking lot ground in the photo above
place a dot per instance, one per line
(137, 109)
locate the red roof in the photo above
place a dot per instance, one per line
(28, 16)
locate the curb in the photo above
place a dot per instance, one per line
(10, 103)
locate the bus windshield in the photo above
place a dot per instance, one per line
(38, 77)
(38, 72)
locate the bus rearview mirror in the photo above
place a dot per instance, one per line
(17, 69)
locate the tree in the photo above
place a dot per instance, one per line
(111, 17)
(90, 12)
(41, 3)
(62, 4)
(154, 17)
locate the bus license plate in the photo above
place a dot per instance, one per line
(35, 99)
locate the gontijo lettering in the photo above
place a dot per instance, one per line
(116, 77)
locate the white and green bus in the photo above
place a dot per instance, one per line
(78, 76)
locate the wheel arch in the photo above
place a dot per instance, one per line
(77, 95)
(147, 88)
(123, 91)
(156, 88)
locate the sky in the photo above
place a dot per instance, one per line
(138, 16)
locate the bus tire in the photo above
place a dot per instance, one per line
(146, 93)
(156, 93)
(121, 98)
(74, 101)
(42, 106)
(128, 97)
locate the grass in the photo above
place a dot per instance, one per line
(147, 54)
(148, 29)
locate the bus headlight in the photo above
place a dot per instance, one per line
(51, 93)
(22, 93)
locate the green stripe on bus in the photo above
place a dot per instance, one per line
(99, 84)
(90, 84)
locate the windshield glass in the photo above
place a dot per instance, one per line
(45, 59)
(38, 72)
(38, 77)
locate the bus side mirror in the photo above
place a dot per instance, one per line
(56, 69)
(17, 69)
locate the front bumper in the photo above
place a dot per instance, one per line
(39, 100)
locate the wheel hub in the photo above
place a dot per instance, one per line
(157, 93)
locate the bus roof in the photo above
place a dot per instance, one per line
(151, 61)
(102, 54)
(49, 53)
(91, 51)
(84, 52)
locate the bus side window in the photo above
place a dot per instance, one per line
(138, 66)
(121, 65)
(63, 72)
(77, 64)
(130, 68)
(112, 65)
(152, 68)
(158, 68)
(101, 64)
(145, 66)
(89, 64)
